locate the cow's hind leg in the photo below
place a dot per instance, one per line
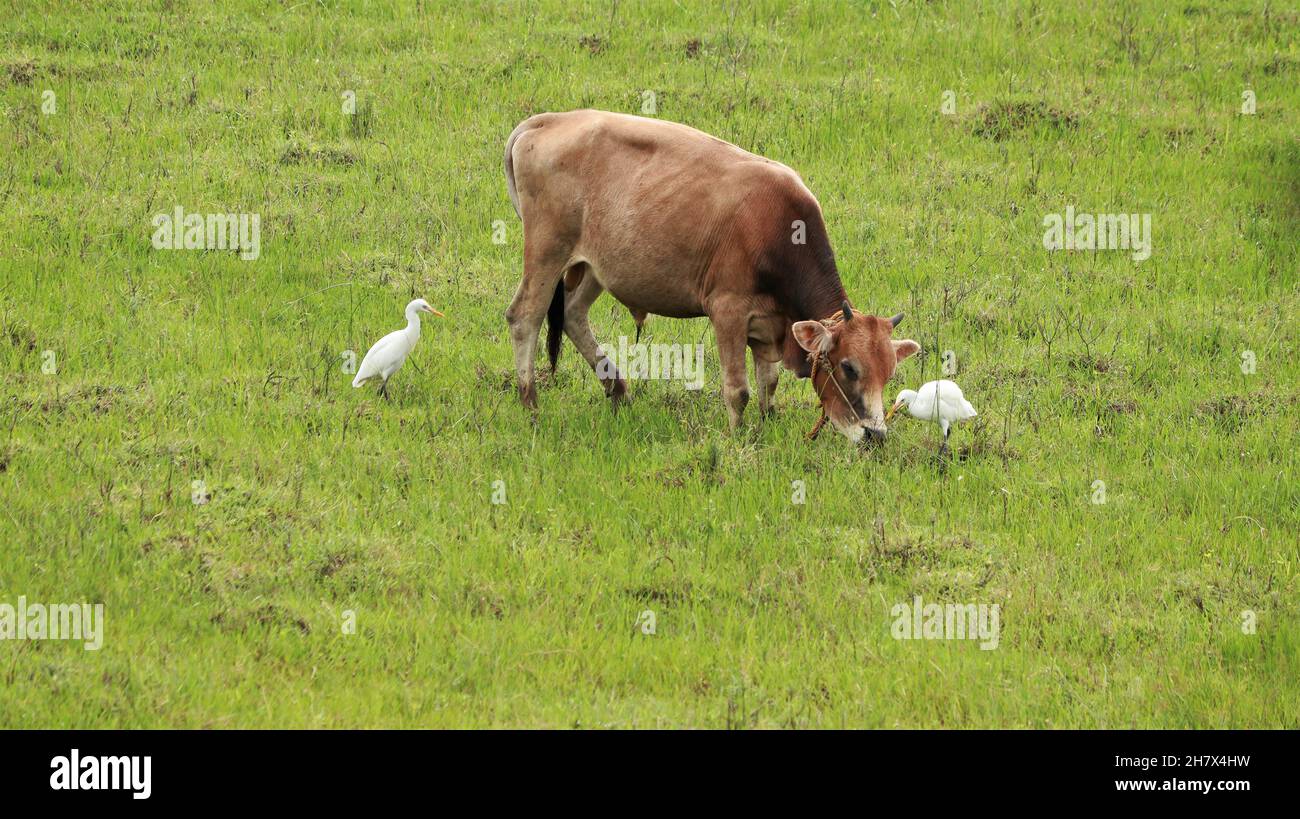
(577, 326)
(543, 268)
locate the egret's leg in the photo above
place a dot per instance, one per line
(383, 389)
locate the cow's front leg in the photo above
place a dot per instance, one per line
(732, 331)
(766, 373)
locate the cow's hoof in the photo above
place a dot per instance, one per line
(528, 397)
(616, 391)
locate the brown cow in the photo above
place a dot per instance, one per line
(678, 223)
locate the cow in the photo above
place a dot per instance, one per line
(675, 222)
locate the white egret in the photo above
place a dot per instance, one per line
(940, 401)
(390, 352)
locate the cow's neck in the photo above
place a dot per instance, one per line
(826, 298)
(815, 291)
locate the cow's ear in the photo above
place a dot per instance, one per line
(906, 347)
(812, 336)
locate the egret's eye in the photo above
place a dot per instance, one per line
(850, 370)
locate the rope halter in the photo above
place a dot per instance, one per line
(821, 360)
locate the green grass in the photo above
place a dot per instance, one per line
(177, 366)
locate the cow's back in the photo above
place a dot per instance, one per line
(650, 204)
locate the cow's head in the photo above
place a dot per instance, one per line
(853, 356)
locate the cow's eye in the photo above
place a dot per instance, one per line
(850, 370)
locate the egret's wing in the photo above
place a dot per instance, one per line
(373, 364)
(925, 406)
(952, 405)
(366, 371)
(949, 390)
(934, 398)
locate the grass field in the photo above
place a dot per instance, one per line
(130, 373)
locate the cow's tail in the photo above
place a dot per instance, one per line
(555, 324)
(555, 313)
(510, 163)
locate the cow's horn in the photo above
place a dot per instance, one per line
(848, 311)
(893, 322)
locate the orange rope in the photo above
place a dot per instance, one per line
(821, 422)
(823, 362)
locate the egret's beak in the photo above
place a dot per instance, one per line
(435, 312)
(892, 410)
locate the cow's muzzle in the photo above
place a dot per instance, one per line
(862, 433)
